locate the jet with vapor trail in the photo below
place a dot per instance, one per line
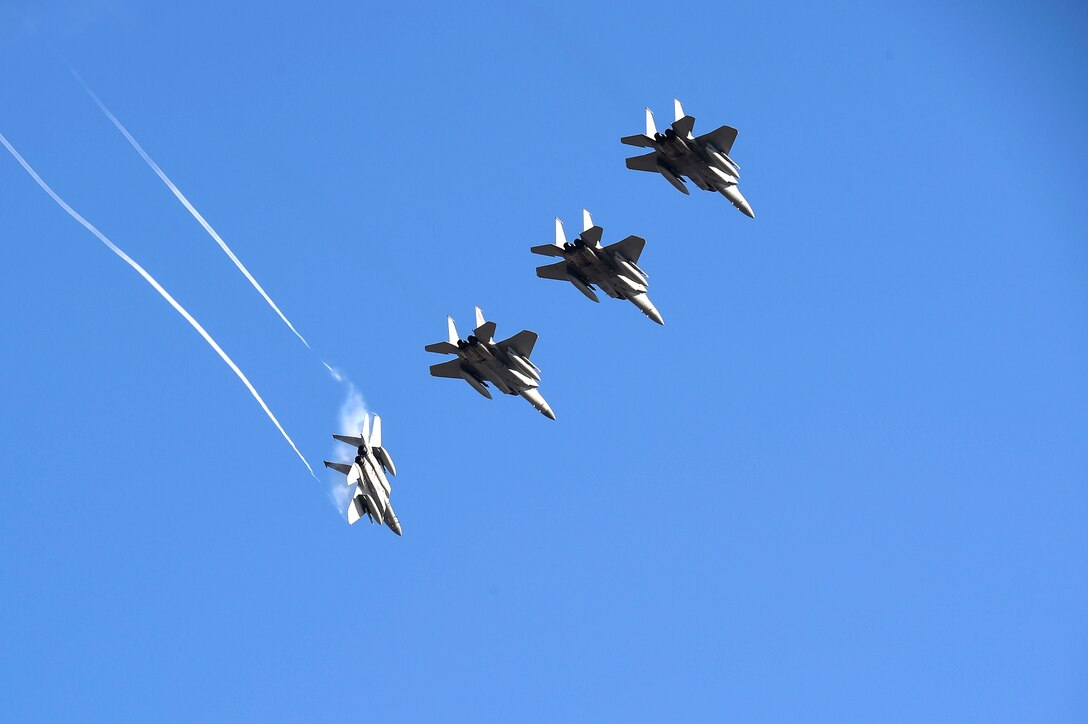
(481, 360)
(613, 269)
(702, 159)
(367, 474)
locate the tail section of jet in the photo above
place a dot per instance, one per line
(678, 155)
(587, 220)
(366, 475)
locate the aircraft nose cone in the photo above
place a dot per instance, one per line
(736, 198)
(656, 316)
(394, 525)
(547, 412)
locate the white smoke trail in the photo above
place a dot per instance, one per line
(336, 374)
(185, 202)
(351, 422)
(158, 287)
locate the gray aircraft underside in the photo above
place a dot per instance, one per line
(367, 474)
(702, 159)
(481, 360)
(586, 264)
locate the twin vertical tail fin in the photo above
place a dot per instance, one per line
(591, 234)
(452, 335)
(645, 140)
(557, 247)
(365, 434)
(485, 330)
(375, 438)
(560, 235)
(684, 124)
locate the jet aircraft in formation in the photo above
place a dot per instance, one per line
(703, 159)
(366, 474)
(613, 269)
(480, 360)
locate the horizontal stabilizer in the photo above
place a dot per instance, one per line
(553, 271)
(647, 162)
(547, 250)
(451, 369)
(522, 342)
(442, 348)
(485, 332)
(351, 440)
(343, 468)
(639, 140)
(630, 248)
(722, 139)
(683, 126)
(592, 235)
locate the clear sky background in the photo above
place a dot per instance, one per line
(848, 481)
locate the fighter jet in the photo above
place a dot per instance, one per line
(613, 268)
(367, 474)
(480, 360)
(703, 159)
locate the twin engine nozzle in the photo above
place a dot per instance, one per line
(472, 340)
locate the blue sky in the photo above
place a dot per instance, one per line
(846, 482)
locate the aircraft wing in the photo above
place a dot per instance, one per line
(522, 342)
(553, 271)
(722, 139)
(643, 163)
(630, 248)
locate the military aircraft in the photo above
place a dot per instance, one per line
(613, 268)
(703, 159)
(480, 360)
(367, 474)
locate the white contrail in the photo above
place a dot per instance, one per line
(185, 202)
(336, 374)
(158, 287)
